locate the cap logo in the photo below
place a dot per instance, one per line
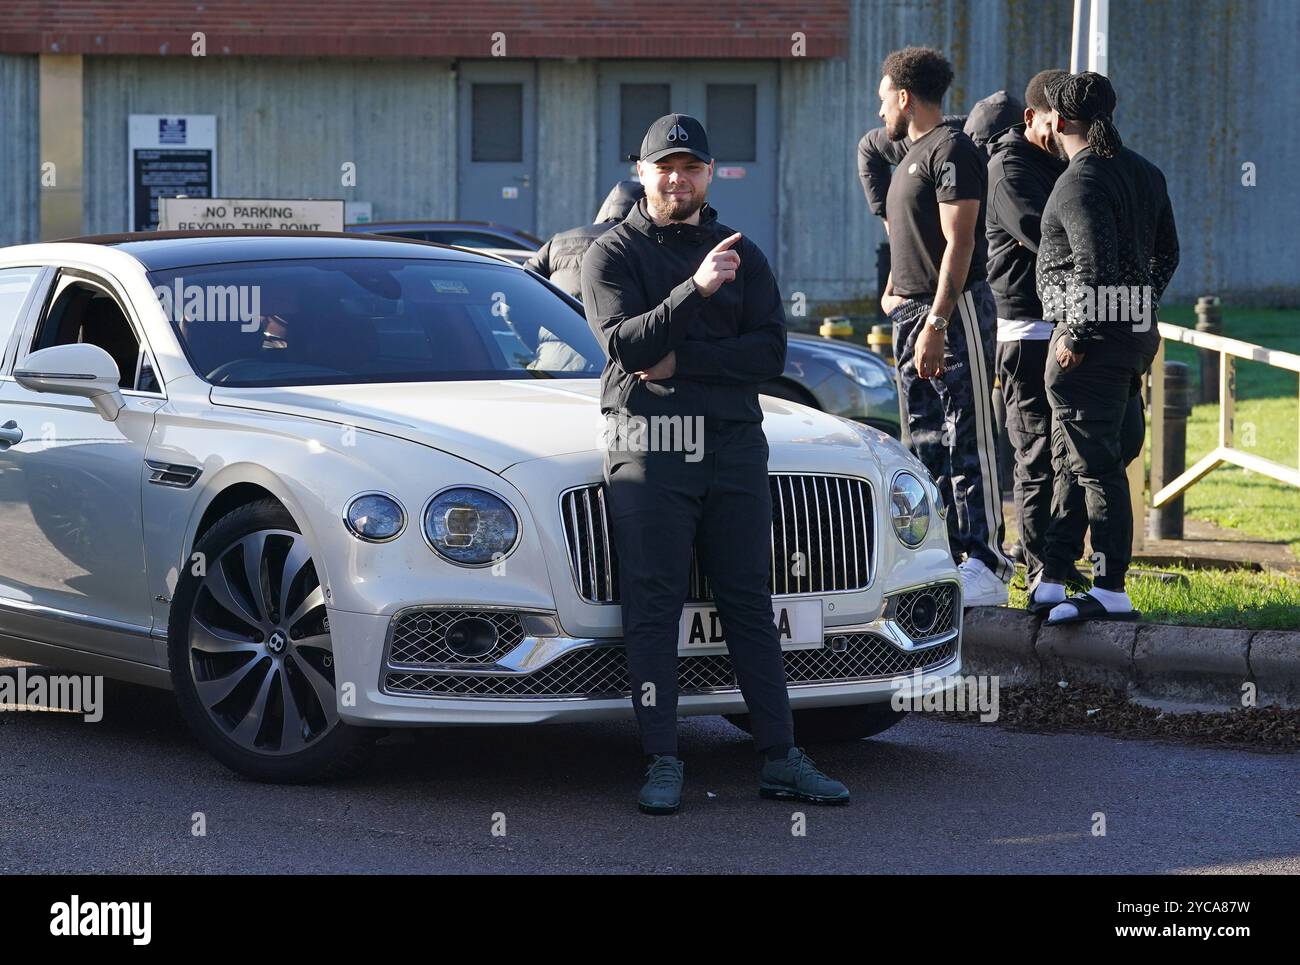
(678, 134)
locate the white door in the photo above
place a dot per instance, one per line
(71, 534)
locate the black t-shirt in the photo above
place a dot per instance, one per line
(942, 165)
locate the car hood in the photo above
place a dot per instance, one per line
(497, 424)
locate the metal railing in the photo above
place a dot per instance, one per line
(1163, 491)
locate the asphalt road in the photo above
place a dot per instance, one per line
(929, 796)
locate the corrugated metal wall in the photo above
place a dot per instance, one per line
(567, 127)
(1205, 86)
(285, 128)
(828, 235)
(20, 143)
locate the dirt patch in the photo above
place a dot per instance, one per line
(1099, 710)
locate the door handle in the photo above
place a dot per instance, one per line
(10, 435)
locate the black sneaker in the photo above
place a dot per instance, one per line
(662, 791)
(798, 778)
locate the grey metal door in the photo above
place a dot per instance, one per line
(738, 107)
(498, 144)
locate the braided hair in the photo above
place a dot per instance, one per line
(1088, 97)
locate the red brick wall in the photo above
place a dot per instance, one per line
(406, 28)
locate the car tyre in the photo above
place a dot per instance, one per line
(255, 683)
(827, 725)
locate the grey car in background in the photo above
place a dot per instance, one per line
(841, 378)
(484, 236)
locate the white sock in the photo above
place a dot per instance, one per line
(976, 564)
(1048, 592)
(1114, 602)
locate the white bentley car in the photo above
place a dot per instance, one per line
(323, 485)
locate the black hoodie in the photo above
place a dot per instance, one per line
(1021, 177)
(992, 115)
(560, 259)
(641, 302)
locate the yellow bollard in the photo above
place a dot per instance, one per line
(837, 326)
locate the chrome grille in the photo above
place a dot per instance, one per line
(598, 672)
(418, 636)
(822, 532)
(906, 614)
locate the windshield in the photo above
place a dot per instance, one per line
(358, 320)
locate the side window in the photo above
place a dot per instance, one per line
(82, 311)
(15, 285)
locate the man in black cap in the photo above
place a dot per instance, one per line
(692, 322)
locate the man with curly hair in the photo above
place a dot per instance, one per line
(943, 311)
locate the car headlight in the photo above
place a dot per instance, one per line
(909, 509)
(864, 373)
(374, 517)
(470, 526)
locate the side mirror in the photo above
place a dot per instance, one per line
(83, 370)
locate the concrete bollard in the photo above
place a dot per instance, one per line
(1167, 521)
(1209, 318)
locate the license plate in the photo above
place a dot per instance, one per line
(798, 622)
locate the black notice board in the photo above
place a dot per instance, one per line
(166, 173)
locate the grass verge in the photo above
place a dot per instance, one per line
(1207, 598)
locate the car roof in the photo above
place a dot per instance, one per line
(164, 250)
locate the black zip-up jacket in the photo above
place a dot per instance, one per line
(1107, 234)
(1021, 177)
(560, 259)
(642, 303)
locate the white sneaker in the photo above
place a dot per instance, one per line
(980, 586)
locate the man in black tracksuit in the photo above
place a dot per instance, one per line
(1109, 247)
(944, 313)
(560, 259)
(1024, 163)
(692, 321)
(878, 155)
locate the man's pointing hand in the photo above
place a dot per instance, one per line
(718, 266)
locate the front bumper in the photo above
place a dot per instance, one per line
(386, 678)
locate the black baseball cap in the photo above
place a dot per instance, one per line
(672, 134)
